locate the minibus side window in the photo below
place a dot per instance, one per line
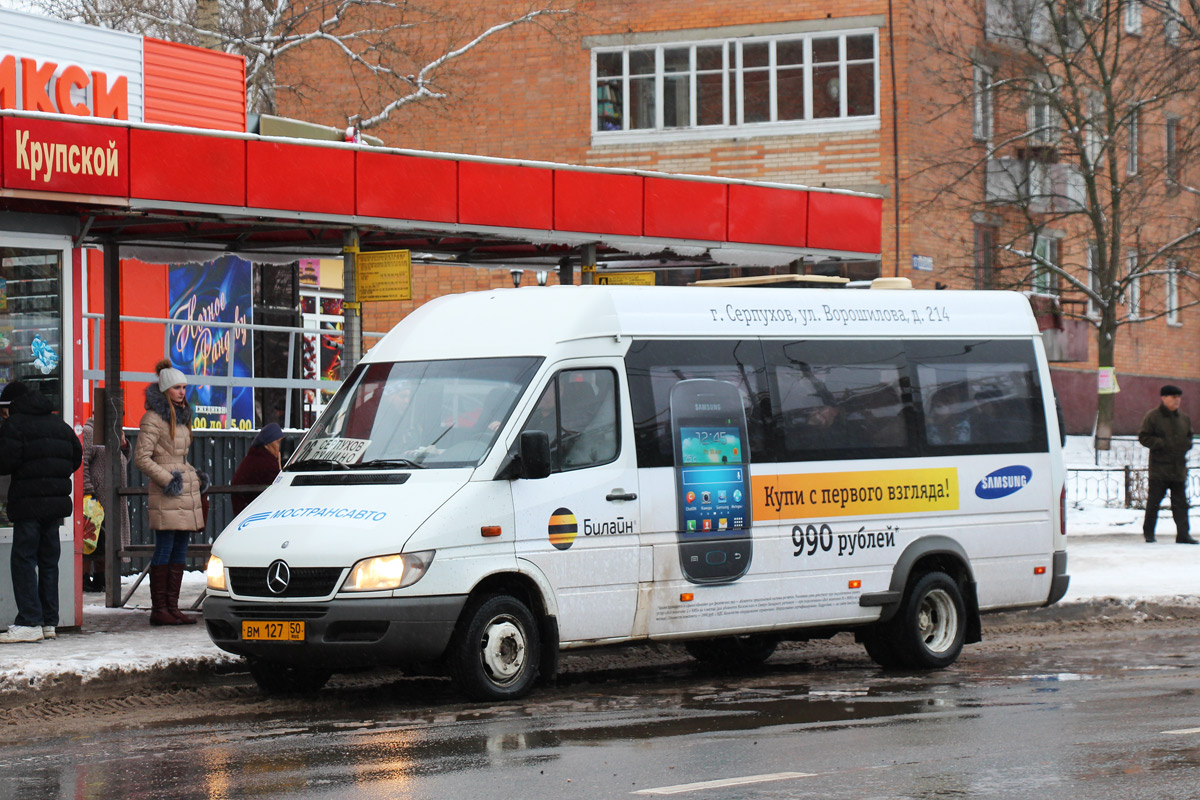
(979, 396)
(579, 411)
(654, 367)
(835, 400)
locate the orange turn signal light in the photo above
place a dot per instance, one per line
(855, 584)
(1039, 570)
(490, 530)
(686, 597)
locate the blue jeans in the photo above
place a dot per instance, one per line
(34, 564)
(170, 547)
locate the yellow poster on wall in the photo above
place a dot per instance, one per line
(384, 275)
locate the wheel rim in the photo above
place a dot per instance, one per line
(937, 621)
(502, 650)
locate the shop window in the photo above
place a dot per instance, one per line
(31, 322)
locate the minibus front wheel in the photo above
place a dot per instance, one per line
(496, 651)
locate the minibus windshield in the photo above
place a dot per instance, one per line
(416, 414)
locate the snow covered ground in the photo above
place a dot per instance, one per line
(1106, 558)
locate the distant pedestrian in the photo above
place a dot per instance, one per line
(41, 452)
(95, 480)
(259, 466)
(176, 508)
(1167, 431)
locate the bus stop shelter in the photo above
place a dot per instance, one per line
(166, 194)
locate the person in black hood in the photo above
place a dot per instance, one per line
(41, 452)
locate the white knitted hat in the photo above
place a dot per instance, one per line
(168, 377)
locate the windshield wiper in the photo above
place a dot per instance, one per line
(315, 464)
(385, 463)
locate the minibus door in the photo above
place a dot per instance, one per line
(578, 526)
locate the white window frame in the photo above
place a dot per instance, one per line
(1135, 285)
(1133, 17)
(1044, 125)
(733, 101)
(1171, 23)
(1172, 293)
(1044, 281)
(984, 110)
(1093, 138)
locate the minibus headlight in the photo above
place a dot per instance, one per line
(215, 572)
(388, 572)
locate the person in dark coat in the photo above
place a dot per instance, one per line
(41, 452)
(1167, 432)
(259, 466)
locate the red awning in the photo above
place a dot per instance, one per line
(146, 186)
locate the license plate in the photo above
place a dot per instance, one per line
(266, 631)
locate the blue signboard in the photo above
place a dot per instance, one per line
(216, 291)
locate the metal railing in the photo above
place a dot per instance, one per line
(1116, 487)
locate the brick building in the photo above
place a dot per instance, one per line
(831, 95)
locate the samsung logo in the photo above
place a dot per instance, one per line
(708, 406)
(1003, 482)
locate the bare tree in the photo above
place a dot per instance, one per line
(1065, 127)
(395, 52)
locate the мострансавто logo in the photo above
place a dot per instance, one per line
(357, 516)
(1003, 482)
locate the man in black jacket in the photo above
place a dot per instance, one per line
(41, 452)
(1167, 431)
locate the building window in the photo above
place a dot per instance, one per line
(1171, 21)
(1131, 144)
(1172, 293)
(1094, 127)
(982, 127)
(762, 84)
(1172, 150)
(1135, 284)
(1044, 121)
(1133, 16)
(1045, 252)
(985, 257)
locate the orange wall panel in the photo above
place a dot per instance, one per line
(192, 86)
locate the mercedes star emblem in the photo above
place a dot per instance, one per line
(278, 577)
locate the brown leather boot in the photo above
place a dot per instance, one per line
(159, 613)
(174, 581)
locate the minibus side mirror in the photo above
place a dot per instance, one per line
(535, 454)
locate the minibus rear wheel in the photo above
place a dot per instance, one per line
(274, 677)
(930, 626)
(496, 651)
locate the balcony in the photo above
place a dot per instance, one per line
(1042, 186)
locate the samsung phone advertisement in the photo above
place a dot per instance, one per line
(708, 424)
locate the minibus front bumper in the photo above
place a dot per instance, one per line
(340, 633)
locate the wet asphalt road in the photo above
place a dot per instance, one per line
(1065, 720)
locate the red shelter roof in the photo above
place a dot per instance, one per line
(152, 185)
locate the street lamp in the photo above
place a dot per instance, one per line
(517, 274)
(542, 277)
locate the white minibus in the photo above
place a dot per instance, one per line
(511, 473)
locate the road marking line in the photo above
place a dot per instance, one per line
(1183, 731)
(724, 782)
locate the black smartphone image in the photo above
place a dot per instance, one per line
(712, 480)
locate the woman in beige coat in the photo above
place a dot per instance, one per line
(175, 487)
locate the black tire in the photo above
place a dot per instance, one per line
(734, 652)
(881, 648)
(276, 678)
(496, 650)
(929, 628)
